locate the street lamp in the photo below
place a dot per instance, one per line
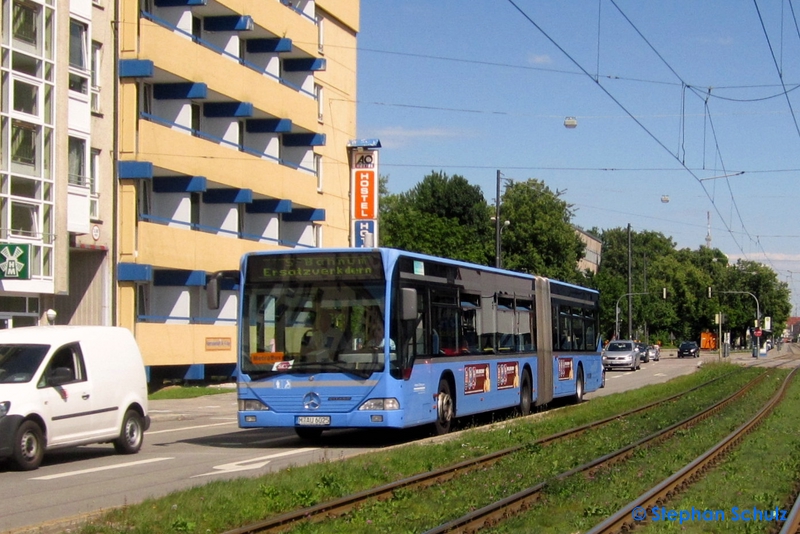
(616, 311)
(758, 314)
(498, 260)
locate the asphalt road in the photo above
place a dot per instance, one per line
(197, 440)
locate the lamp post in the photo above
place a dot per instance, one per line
(758, 315)
(616, 310)
(498, 260)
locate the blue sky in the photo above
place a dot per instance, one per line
(697, 102)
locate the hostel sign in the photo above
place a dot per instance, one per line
(364, 185)
(14, 258)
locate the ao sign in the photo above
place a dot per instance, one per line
(364, 180)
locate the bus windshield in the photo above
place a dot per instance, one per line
(314, 327)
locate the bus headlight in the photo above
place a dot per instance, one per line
(4, 407)
(380, 404)
(252, 405)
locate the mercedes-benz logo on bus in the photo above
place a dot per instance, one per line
(311, 401)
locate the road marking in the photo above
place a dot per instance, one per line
(253, 463)
(188, 428)
(98, 469)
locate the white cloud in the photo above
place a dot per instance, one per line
(539, 59)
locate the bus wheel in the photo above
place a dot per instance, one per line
(525, 395)
(579, 386)
(310, 434)
(445, 409)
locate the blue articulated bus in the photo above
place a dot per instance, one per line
(382, 338)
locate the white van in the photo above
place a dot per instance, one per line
(62, 386)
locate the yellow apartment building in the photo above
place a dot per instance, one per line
(232, 123)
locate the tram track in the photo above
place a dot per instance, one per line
(519, 502)
(668, 489)
(344, 505)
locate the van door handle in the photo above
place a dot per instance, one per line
(85, 396)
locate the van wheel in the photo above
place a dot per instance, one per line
(525, 395)
(132, 434)
(578, 398)
(28, 446)
(445, 408)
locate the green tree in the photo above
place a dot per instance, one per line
(540, 238)
(442, 215)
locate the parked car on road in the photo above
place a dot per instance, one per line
(62, 386)
(641, 348)
(621, 353)
(688, 349)
(654, 352)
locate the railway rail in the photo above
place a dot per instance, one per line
(344, 505)
(623, 520)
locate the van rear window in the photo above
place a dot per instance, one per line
(18, 363)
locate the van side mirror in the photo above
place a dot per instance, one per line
(59, 376)
(408, 298)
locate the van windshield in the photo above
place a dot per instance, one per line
(18, 363)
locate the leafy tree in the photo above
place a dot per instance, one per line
(540, 238)
(442, 216)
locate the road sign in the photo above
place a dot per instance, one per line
(757, 332)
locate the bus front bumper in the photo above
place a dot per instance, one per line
(360, 419)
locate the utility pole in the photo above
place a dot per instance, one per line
(497, 224)
(630, 286)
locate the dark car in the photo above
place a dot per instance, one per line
(643, 355)
(688, 349)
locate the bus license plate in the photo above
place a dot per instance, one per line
(316, 420)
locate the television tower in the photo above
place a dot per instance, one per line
(708, 235)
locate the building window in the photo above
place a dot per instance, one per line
(24, 219)
(318, 171)
(318, 94)
(241, 213)
(25, 22)
(320, 35)
(317, 235)
(94, 184)
(195, 119)
(23, 143)
(26, 97)
(78, 62)
(97, 50)
(146, 103)
(77, 161)
(142, 300)
(197, 29)
(194, 210)
(143, 197)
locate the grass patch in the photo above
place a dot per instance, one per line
(223, 505)
(580, 502)
(186, 392)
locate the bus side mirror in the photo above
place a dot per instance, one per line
(408, 296)
(213, 286)
(212, 292)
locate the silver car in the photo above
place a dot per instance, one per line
(621, 354)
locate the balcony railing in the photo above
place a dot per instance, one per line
(161, 22)
(216, 230)
(209, 137)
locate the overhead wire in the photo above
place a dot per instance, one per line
(633, 117)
